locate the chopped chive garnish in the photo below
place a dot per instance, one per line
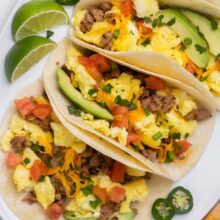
(26, 161)
(87, 190)
(116, 34)
(92, 92)
(171, 22)
(74, 110)
(107, 88)
(157, 136)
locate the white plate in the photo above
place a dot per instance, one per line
(203, 181)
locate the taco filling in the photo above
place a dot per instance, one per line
(61, 173)
(139, 25)
(138, 111)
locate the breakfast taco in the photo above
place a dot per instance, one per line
(165, 37)
(48, 173)
(159, 121)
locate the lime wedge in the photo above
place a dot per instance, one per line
(25, 53)
(37, 16)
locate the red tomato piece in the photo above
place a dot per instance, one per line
(185, 145)
(13, 159)
(42, 111)
(132, 137)
(25, 106)
(144, 30)
(117, 172)
(127, 8)
(54, 211)
(102, 63)
(121, 121)
(37, 170)
(191, 68)
(84, 60)
(117, 194)
(119, 110)
(101, 193)
(154, 83)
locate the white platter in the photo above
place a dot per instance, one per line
(204, 179)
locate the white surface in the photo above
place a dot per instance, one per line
(203, 180)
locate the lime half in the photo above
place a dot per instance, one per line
(37, 16)
(25, 53)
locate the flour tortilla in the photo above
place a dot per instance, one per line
(173, 171)
(158, 187)
(155, 61)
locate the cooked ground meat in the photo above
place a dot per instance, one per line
(86, 24)
(30, 197)
(105, 6)
(94, 161)
(150, 154)
(87, 153)
(44, 124)
(157, 103)
(98, 14)
(199, 114)
(110, 17)
(106, 41)
(59, 189)
(107, 210)
(19, 143)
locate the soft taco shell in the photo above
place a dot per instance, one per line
(173, 171)
(155, 61)
(157, 186)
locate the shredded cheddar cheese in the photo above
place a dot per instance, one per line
(46, 144)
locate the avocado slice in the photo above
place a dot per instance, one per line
(212, 35)
(76, 97)
(197, 49)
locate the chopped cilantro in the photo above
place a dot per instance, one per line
(218, 56)
(116, 34)
(74, 110)
(132, 98)
(122, 102)
(136, 148)
(94, 204)
(26, 161)
(47, 162)
(200, 48)
(186, 135)
(171, 22)
(132, 107)
(176, 135)
(146, 42)
(87, 190)
(147, 19)
(182, 47)
(160, 22)
(176, 146)
(157, 136)
(49, 33)
(103, 105)
(155, 22)
(146, 112)
(91, 92)
(187, 41)
(41, 179)
(107, 88)
(36, 148)
(171, 127)
(214, 24)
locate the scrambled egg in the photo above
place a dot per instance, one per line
(124, 85)
(184, 102)
(18, 126)
(134, 172)
(45, 192)
(82, 77)
(21, 178)
(136, 190)
(104, 181)
(5, 141)
(180, 125)
(146, 7)
(214, 81)
(28, 153)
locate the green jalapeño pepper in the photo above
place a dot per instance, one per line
(181, 200)
(67, 2)
(162, 209)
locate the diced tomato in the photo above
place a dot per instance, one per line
(54, 211)
(144, 30)
(119, 110)
(132, 137)
(117, 173)
(184, 145)
(91, 68)
(42, 111)
(101, 193)
(117, 194)
(121, 121)
(127, 8)
(37, 170)
(154, 83)
(102, 63)
(191, 68)
(25, 106)
(13, 159)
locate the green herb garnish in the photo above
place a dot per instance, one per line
(146, 112)
(200, 49)
(116, 34)
(26, 161)
(61, 163)
(218, 56)
(36, 148)
(49, 33)
(136, 148)
(122, 102)
(47, 162)
(147, 19)
(58, 154)
(41, 179)
(176, 146)
(74, 110)
(171, 22)
(157, 136)
(146, 42)
(91, 92)
(214, 24)
(107, 88)
(132, 107)
(87, 190)
(187, 41)
(94, 204)
(176, 135)
(170, 156)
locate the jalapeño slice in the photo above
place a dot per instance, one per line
(181, 200)
(162, 209)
